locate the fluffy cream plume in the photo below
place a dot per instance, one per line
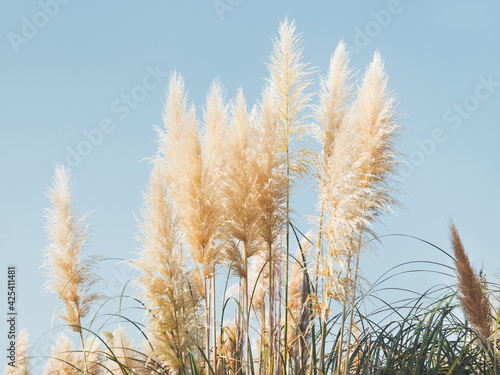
(192, 175)
(375, 122)
(93, 356)
(337, 169)
(164, 281)
(116, 351)
(215, 119)
(22, 356)
(64, 359)
(241, 212)
(69, 276)
(272, 185)
(270, 171)
(375, 117)
(355, 169)
(290, 81)
(341, 201)
(122, 356)
(475, 302)
(355, 184)
(335, 98)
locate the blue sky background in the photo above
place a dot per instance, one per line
(72, 68)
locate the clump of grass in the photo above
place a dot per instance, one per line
(220, 192)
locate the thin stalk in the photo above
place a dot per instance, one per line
(214, 323)
(270, 310)
(246, 312)
(287, 247)
(322, 348)
(316, 281)
(353, 298)
(207, 324)
(341, 339)
(83, 347)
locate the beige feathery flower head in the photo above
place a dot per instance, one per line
(63, 359)
(290, 83)
(193, 170)
(240, 200)
(21, 356)
(70, 277)
(475, 302)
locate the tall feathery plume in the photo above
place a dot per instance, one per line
(69, 276)
(194, 186)
(272, 187)
(475, 302)
(335, 97)
(375, 121)
(20, 366)
(289, 81)
(241, 212)
(298, 311)
(215, 119)
(164, 281)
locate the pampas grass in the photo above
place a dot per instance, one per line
(194, 174)
(164, 281)
(473, 297)
(375, 119)
(63, 359)
(241, 212)
(290, 82)
(70, 277)
(219, 200)
(122, 356)
(354, 170)
(22, 356)
(272, 185)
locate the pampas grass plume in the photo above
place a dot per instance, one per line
(69, 276)
(475, 302)
(22, 356)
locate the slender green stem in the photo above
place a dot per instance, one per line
(246, 314)
(285, 349)
(351, 319)
(83, 347)
(270, 310)
(207, 324)
(341, 339)
(214, 322)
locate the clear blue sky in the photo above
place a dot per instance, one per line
(70, 67)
